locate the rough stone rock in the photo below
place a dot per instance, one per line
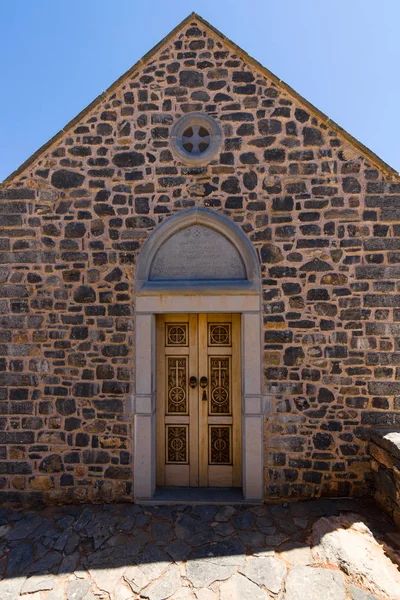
(11, 588)
(214, 562)
(225, 513)
(178, 550)
(78, 589)
(38, 583)
(314, 584)
(297, 555)
(19, 558)
(193, 531)
(266, 571)
(153, 561)
(359, 594)
(136, 578)
(122, 592)
(241, 588)
(165, 586)
(347, 542)
(107, 579)
(58, 593)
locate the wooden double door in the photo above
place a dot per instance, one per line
(198, 400)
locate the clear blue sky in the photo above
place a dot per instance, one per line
(56, 57)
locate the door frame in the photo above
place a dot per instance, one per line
(193, 295)
(144, 401)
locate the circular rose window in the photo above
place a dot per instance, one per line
(195, 139)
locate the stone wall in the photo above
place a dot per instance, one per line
(324, 220)
(385, 451)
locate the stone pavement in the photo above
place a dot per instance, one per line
(127, 552)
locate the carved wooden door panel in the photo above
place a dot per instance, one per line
(198, 400)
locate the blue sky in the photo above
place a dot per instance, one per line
(56, 57)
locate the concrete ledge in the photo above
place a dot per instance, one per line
(387, 438)
(385, 453)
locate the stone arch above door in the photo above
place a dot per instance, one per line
(199, 250)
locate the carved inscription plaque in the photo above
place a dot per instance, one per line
(197, 253)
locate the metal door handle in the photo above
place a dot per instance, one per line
(193, 381)
(203, 382)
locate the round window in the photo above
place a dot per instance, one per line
(195, 139)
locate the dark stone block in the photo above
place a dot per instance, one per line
(51, 464)
(283, 204)
(109, 406)
(381, 418)
(72, 458)
(248, 89)
(18, 379)
(245, 129)
(262, 142)
(271, 254)
(323, 441)
(325, 395)
(13, 208)
(104, 372)
(55, 390)
(79, 333)
(118, 473)
(96, 457)
(81, 150)
(248, 158)
(316, 265)
(17, 437)
(293, 355)
(250, 180)
(384, 388)
(351, 185)
(66, 479)
(128, 159)
(278, 336)
(191, 79)
(290, 289)
(336, 351)
(234, 202)
(115, 387)
(318, 294)
(85, 294)
(82, 440)
(85, 389)
(231, 185)
(66, 406)
(312, 136)
(312, 477)
(275, 155)
(269, 126)
(280, 272)
(17, 194)
(64, 179)
(237, 117)
(301, 115)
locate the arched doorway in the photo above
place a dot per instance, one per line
(198, 273)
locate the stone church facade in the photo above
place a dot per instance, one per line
(198, 198)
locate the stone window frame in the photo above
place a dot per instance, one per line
(214, 297)
(176, 139)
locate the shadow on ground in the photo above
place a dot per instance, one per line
(126, 551)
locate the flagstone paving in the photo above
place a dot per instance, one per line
(127, 552)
